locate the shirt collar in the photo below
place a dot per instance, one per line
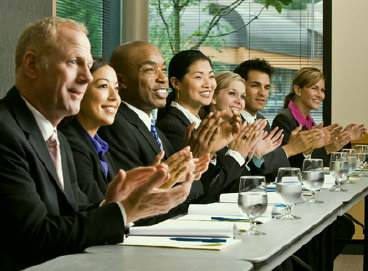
(192, 118)
(100, 145)
(248, 117)
(45, 126)
(142, 115)
(308, 122)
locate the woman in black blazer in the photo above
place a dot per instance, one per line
(94, 165)
(193, 83)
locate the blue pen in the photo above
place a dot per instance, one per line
(219, 218)
(205, 240)
(277, 205)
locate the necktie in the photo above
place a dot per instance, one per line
(54, 150)
(154, 133)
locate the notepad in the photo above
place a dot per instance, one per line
(155, 241)
(186, 228)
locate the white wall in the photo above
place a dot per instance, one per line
(349, 61)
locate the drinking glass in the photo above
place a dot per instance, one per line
(339, 168)
(362, 161)
(350, 154)
(289, 186)
(313, 177)
(252, 199)
(361, 148)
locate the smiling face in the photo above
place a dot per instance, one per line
(230, 99)
(196, 87)
(310, 97)
(257, 89)
(61, 83)
(101, 100)
(144, 82)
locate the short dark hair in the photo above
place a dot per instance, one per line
(256, 64)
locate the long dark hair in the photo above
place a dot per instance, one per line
(305, 77)
(178, 67)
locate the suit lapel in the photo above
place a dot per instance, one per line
(30, 128)
(133, 119)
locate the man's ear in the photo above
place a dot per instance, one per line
(297, 90)
(31, 64)
(121, 81)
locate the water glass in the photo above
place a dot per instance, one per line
(313, 177)
(252, 199)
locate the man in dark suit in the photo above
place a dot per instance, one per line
(44, 214)
(257, 74)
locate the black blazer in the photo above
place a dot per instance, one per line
(39, 219)
(285, 120)
(224, 177)
(90, 173)
(132, 145)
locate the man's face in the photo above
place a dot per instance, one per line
(257, 89)
(61, 85)
(145, 83)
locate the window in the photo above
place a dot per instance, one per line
(102, 19)
(288, 40)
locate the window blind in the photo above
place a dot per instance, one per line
(288, 40)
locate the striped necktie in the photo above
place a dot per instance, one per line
(154, 133)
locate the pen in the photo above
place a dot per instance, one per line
(218, 218)
(206, 240)
(277, 204)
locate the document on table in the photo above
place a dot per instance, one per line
(186, 228)
(180, 242)
(229, 211)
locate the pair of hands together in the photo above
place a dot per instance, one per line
(149, 191)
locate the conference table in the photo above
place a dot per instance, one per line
(262, 252)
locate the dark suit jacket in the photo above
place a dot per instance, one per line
(90, 173)
(132, 145)
(285, 120)
(39, 219)
(273, 160)
(224, 177)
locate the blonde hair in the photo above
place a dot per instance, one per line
(39, 37)
(223, 80)
(305, 77)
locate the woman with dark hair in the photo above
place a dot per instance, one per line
(307, 94)
(94, 165)
(193, 83)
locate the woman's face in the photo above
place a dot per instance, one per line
(197, 86)
(312, 96)
(230, 99)
(101, 100)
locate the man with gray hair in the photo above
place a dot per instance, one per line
(44, 214)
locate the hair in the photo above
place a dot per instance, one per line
(223, 80)
(305, 77)
(99, 62)
(39, 37)
(255, 64)
(178, 67)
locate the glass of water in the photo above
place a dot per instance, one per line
(339, 169)
(350, 154)
(313, 177)
(362, 161)
(289, 186)
(252, 199)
